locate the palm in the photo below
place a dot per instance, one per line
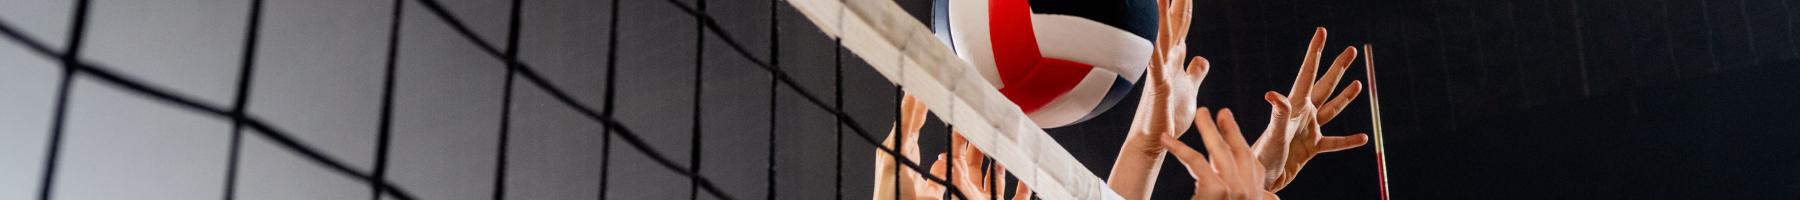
(1166, 106)
(1168, 98)
(1293, 136)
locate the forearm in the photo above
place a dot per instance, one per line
(1134, 172)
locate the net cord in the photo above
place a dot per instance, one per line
(283, 139)
(506, 98)
(385, 132)
(77, 32)
(242, 102)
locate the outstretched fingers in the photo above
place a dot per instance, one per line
(1184, 13)
(1329, 144)
(1309, 66)
(1178, 15)
(1196, 163)
(1165, 34)
(1254, 174)
(1323, 88)
(1331, 108)
(1215, 143)
(1239, 149)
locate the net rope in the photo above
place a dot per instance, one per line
(385, 134)
(77, 31)
(506, 99)
(242, 102)
(72, 65)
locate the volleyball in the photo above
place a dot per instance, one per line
(1060, 61)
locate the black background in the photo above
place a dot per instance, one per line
(1529, 99)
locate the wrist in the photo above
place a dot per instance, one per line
(1134, 172)
(1140, 144)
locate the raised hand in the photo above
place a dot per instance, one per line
(1232, 173)
(912, 185)
(1167, 105)
(1293, 136)
(912, 118)
(1168, 97)
(974, 181)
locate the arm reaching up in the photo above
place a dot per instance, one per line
(1166, 107)
(1293, 137)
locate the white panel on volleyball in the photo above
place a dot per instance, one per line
(906, 52)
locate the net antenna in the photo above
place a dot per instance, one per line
(1375, 114)
(907, 53)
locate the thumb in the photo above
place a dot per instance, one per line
(1197, 69)
(1277, 101)
(1279, 111)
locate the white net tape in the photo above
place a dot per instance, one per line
(905, 52)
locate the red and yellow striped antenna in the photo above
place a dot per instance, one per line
(1375, 117)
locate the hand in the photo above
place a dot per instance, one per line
(1167, 104)
(912, 118)
(1293, 137)
(1166, 107)
(970, 178)
(1233, 172)
(912, 185)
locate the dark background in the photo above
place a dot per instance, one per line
(1527, 99)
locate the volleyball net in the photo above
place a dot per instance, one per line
(889, 39)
